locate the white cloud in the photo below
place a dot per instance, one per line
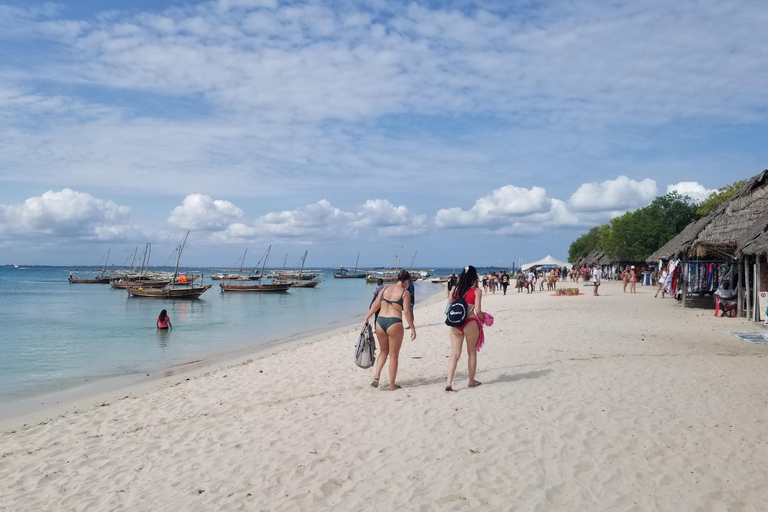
(202, 213)
(619, 194)
(68, 214)
(322, 220)
(503, 204)
(692, 189)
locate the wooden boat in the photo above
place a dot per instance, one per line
(300, 279)
(169, 292)
(271, 287)
(344, 273)
(99, 277)
(178, 288)
(306, 284)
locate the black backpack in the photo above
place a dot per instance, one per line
(456, 312)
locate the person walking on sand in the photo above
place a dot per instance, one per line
(625, 278)
(632, 279)
(467, 288)
(393, 301)
(597, 274)
(662, 281)
(164, 321)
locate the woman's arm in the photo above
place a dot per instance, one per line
(375, 306)
(408, 313)
(170, 326)
(479, 304)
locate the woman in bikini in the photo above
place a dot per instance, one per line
(468, 289)
(393, 301)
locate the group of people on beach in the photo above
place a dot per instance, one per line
(393, 302)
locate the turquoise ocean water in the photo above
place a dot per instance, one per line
(55, 335)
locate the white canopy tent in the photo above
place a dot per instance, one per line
(549, 261)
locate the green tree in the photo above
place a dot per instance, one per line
(583, 245)
(718, 197)
(636, 235)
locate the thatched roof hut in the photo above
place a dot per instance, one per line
(726, 230)
(755, 240)
(732, 222)
(682, 242)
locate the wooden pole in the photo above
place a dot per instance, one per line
(747, 271)
(758, 286)
(740, 289)
(684, 277)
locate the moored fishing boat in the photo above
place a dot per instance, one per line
(270, 287)
(344, 273)
(180, 287)
(93, 277)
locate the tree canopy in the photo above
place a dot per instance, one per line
(718, 197)
(636, 235)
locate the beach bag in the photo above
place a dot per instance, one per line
(456, 313)
(365, 350)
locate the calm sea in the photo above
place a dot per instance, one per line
(55, 335)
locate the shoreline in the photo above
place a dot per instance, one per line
(26, 412)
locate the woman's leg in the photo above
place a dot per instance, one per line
(457, 340)
(383, 350)
(395, 335)
(472, 332)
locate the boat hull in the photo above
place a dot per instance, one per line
(168, 293)
(305, 284)
(254, 287)
(102, 280)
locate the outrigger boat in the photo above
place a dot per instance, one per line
(100, 277)
(271, 287)
(181, 287)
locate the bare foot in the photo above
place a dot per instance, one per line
(395, 387)
(475, 384)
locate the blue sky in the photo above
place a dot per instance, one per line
(471, 132)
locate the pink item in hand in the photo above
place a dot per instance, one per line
(488, 319)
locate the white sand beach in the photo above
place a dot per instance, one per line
(618, 402)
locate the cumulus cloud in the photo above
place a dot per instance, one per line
(67, 214)
(622, 193)
(501, 205)
(322, 220)
(692, 189)
(202, 213)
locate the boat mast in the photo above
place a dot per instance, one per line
(414, 259)
(398, 259)
(302, 264)
(265, 263)
(134, 257)
(178, 257)
(241, 262)
(105, 263)
(357, 261)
